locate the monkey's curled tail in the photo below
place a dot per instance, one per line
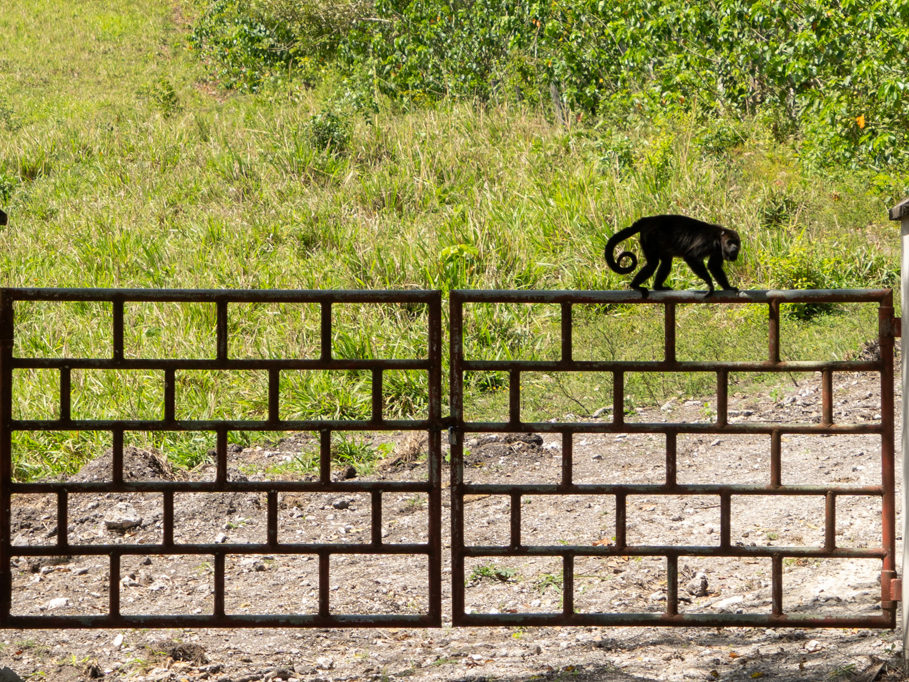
(614, 240)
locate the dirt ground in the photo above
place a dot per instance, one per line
(287, 584)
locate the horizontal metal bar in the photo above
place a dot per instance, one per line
(458, 296)
(225, 621)
(746, 428)
(99, 487)
(240, 364)
(681, 620)
(215, 425)
(662, 366)
(662, 489)
(733, 551)
(177, 549)
(225, 295)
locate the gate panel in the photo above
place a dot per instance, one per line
(569, 564)
(315, 556)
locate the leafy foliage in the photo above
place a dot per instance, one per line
(836, 71)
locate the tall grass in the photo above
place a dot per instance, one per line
(121, 166)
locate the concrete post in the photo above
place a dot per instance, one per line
(901, 212)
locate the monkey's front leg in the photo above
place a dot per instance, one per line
(715, 264)
(698, 268)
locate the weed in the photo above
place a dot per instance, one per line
(491, 572)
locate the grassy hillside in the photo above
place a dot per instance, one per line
(126, 162)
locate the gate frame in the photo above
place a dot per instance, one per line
(889, 582)
(432, 425)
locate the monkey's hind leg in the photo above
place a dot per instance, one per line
(659, 282)
(643, 275)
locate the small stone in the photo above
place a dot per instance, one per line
(697, 586)
(122, 517)
(325, 663)
(57, 603)
(220, 538)
(341, 503)
(813, 645)
(602, 411)
(118, 641)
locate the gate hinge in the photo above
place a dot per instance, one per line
(896, 329)
(896, 589)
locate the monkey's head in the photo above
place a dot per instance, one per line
(730, 244)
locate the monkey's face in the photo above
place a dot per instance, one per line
(730, 244)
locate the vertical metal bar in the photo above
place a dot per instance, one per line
(672, 585)
(167, 520)
(776, 582)
(830, 522)
(886, 331)
(117, 311)
(114, 587)
(776, 464)
(671, 459)
(669, 332)
(274, 395)
(326, 330)
(722, 397)
(170, 393)
(6, 464)
(515, 520)
(827, 397)
(324, 585)
(221, 333)
(514, 397)
(62, 518)
(325, 456)
(221, 455)
(568, 585)
(773, 326)
(272, 517)
(435, 460)
(567, 341)
(456, 442)
(376, 517)
(65, 394)
(219, 585)
(567, 458)
(377, 395)
(618, 398)
(725, 519)
(117, 456)
(620, 520)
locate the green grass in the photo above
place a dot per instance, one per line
(121, 165)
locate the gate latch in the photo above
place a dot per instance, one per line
(896, 589)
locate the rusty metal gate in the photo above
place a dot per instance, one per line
(564, 558)
(113, 303)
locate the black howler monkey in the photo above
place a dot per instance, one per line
(664, 237)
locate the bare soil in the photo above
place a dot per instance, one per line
(282, 584)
